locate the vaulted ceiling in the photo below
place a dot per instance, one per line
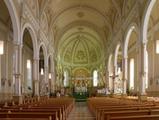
(4, 15)
(80, 46)
(81, 28)
(67, 11)
(99, 15)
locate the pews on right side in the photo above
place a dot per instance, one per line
(105, 108)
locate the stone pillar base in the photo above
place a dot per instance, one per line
(18, 99)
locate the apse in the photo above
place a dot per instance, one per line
(79, 54)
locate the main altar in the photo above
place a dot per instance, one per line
(81, 89)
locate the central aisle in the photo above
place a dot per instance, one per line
(81, 112)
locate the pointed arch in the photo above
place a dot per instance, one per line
(131, 28)
(15, 19)
(33, 37)
(42, 45)
(145, 19)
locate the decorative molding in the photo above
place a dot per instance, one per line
(43, 37)
(78, 23)
(124, 23)
(29, 15)
(130, 16)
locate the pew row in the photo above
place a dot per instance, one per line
(111, 108)
(52, 109)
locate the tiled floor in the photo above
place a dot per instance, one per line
(81, 112)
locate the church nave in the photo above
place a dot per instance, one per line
(59, 55)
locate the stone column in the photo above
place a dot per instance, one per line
(0, 76)
(114, 79)
(143, 77)
(125, 74)
(142, 53)
(6, 87)
(52, 82)
(17, 73)
(53, 77)
(137, 70)
(36, 76)
(17, 84)
(46, 79)
(107, 78)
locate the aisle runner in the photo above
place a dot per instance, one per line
(81, 112)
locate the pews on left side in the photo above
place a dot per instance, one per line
(49, 109)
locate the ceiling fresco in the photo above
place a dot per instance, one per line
(80, 46)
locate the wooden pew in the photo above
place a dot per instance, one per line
(24, 119)
(142, 117)
(101, 111)
(40, 110)
(108, 115)
(49, 116)
(62, 106)
(106, 108)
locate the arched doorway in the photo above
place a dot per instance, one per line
(43, 83)
(131, 57)
(27, 64)
(150, 41)
(7, 34)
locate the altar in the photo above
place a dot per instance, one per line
(80, 90)
(80, 96)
